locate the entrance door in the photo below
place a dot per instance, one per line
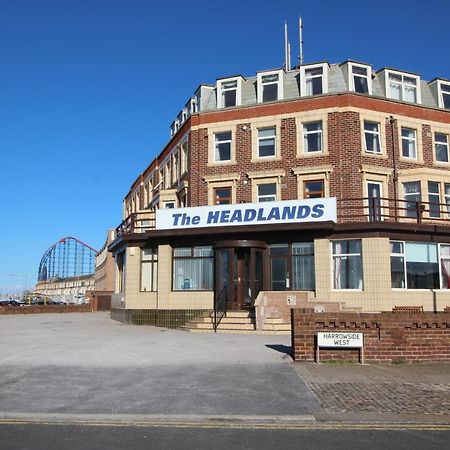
(240, 269)
(242, 287)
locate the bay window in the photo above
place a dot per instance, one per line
(296, 259)
(303, 271)
(418, 265)
(149, 269)
(347, 264)
(434, 199)
(441, 147)
(193, 268)
(412, 196)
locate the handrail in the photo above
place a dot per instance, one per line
(220, 307)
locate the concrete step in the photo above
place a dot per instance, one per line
(222, 326)
(240, 314)
(243, 320)
(275, 320)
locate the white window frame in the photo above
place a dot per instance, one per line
(306, 133)
(432, 196)
(261, 84)
(304, 69)
(351, 80)
(266, 196)
(149, 267)
(440, 258)
(230, 141)
(442, 92)
(184, 156)
(380, 212)
(409, 140)
(444, 144)
(274, 137)
(345, 256)
(220, 90)
(375, 133)
(169, 204)
(406, 200)
(402, 84)
(446, 197)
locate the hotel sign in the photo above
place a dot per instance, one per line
(289, 211)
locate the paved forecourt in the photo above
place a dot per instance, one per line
(85, 365)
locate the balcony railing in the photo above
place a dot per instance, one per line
(377, 209)
(139, 222)
(362, 209)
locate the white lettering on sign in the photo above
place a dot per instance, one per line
(289, 211)
(340, 339)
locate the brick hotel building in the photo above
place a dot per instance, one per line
(374, 143)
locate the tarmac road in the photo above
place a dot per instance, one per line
(81, 381)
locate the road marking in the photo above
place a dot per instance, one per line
(230, 424)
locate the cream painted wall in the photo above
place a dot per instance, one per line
(165, 298)
(377, 294)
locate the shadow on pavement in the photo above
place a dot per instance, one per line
(287, 349)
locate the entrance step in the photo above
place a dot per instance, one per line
(276, 325)
(237, 322)
(232, 322)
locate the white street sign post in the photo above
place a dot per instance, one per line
(340, 339)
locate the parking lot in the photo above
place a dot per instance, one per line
(84, 363)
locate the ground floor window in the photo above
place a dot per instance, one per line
(149, 269)
(292, 266)
(419, 265)
(193, 268)
(120, 262)
(303, 270)
(347, 264)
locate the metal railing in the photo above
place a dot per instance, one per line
(375, 209)
(220, 307)
(139, 222)
(359, 209)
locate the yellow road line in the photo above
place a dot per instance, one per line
(240, 425)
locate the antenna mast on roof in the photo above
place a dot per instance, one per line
(300, 38)
(287, 49)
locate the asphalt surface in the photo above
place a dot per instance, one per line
(57, 437)
(84, 363)
(83, 369)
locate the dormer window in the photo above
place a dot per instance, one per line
(444, 94)
(190, 106)
(360, 79)
(314, 79)
(270, 86)
(402, 87)
(229, 93)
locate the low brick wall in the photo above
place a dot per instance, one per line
(41, 309)
(388, 337)
(168, 318)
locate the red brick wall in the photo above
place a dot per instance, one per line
(388, 337)
(41, 309)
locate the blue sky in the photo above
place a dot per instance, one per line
(89, 88)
